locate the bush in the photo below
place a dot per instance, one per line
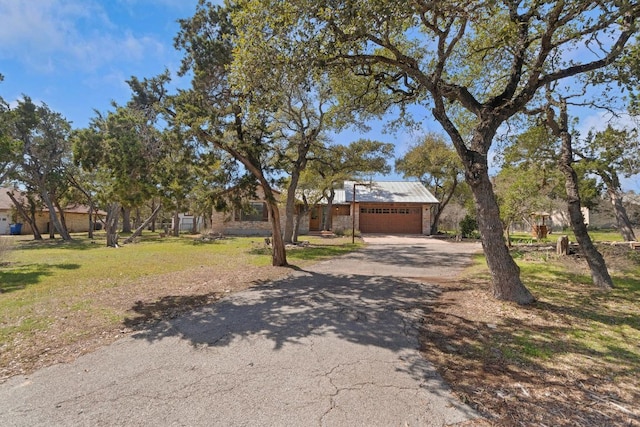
(347, 232)
(468, 225)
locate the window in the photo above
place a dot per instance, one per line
(254, 212)
(343, 210)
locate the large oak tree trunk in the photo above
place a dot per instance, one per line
(301, 214)
(278, 253)
(622, 219)
(505, 273)
(597, 266)
(126, 219)
(176, 223)
(290, 207)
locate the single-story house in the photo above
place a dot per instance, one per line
(392, 207)
(76, 216)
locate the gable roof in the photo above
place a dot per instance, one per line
(385, 192)
(5, 201)
(7, 204)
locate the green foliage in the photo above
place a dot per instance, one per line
(436, 164)
(610, 153)
(468, 226)
(530, 180)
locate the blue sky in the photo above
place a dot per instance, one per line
(75, 56)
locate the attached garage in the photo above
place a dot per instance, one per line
(390, 207)
(391, 218)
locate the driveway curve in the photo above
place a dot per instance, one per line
(333, 345)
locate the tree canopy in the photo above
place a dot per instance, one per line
(435, 163)
(487, 60)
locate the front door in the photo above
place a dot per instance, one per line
(314, 219)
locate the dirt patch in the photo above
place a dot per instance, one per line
(511, 364)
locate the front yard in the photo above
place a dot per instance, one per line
(572, 358)
(60, 300)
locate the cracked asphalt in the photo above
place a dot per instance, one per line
(334, 345)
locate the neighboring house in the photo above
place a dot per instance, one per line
(76, 216)
(5, 211)
(603, 216)
(560, 220)
(393, 207)
(187, 221)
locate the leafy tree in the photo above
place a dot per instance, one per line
(44, 136)
(124, 148)
(558, 122)
(468, 225)
(485, 59)
(339, 163)
(221, 115)
(609, 154)
(520, 193)
(10, 147)
(435, 163)
(299, 123)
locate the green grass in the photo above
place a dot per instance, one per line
(597, 235)
(573, 324)
(592, 323)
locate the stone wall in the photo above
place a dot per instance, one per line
(224, 223)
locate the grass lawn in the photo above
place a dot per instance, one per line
(571, 358)
(599, 235)
(58, 300)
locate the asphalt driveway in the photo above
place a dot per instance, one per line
(333, 345)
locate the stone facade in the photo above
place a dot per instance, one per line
(232, 222)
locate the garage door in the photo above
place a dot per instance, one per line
(394, 220)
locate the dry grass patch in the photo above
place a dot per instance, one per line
(570, 359)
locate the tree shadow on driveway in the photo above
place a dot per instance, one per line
(407, 260)
(335, 332)
(367, 310)
(365, 297)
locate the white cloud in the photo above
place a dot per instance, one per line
(49, 35)
(601, 119)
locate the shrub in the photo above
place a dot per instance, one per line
(468, 225)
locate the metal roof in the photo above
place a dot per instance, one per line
(385, 192)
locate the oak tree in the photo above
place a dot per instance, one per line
(486, 59)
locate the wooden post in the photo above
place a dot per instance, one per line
(562, 247)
